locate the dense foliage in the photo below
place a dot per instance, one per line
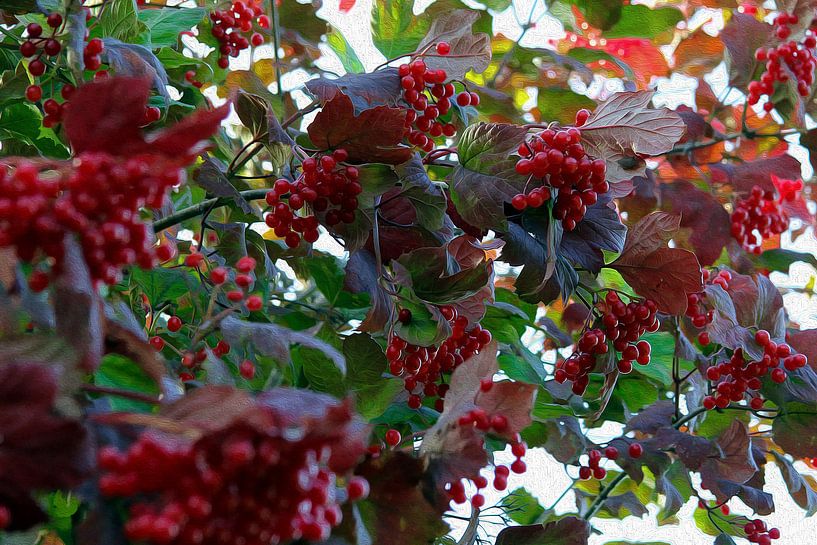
(237, 311)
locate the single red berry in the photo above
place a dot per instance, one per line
(762, 337)
(404, 316)
(218, 275)
(245, 264)
(358, 488)
(254, 303)
(36, 67)
(34, 93)
(157, 343)
(34, 30)
(443, 48)
(174, 323)
(636, 450)
(28, 49)
(54, 20)
(247, 369)
(611, 453)
(463, 99)
(393, 438)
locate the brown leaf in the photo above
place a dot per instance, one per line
(735, 462)
(624, 129)
(374, 136)
(656, 271)
(698, 54)
(514, 400)
(746, 175)
(742, 36)
(565, 531)
(468, 52)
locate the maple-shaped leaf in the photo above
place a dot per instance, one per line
(565, 531)
(656, 271)
(625, 129)
(39, 450)
(468, 51)
(374, 136)
(734, 461)
(106, 116)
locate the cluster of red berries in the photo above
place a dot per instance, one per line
(593, 468)
(232, 25)
(242, 280)
(327, 186)
(36, 45)
(789, 190)
(796, 58)
(249, 483)
(622, 324)
(558, 160)
(738, 377)
(96, 197)
(757, 532)
(429, 98)
(422, 368)
(760, 212)
(696, 303)
(498, 424)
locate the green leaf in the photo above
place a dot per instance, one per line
(423, 329)
(345, 52)
(395, 29)
(161, 284)
(21, 120)
(365, 360)
(118, 20)
(123, 374)
(165, 24)
(779, 259)
(639, 21)
(323, 375)
(795, 429)
(522, 506)
(560, 104)
(724, 539)
(171, 59)
(372, 401)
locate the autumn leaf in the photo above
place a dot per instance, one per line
(656, 271)
(624, 130)
(468, 51)
(374, 136)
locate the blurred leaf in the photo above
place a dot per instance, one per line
(639, 21)
(566, 531)
(345, 52)
(559, 104)
(165, 24)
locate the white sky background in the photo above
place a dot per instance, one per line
(546, 478)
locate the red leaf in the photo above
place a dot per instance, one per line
(656, 271)
(513, 400)
(744, 176)
(735, 462)
(702, 214)
(105, 116)
(374, 136)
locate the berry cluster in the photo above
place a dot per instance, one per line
(429, 98)
(37, 46)
(557, 159)
(96, 197)
(738, 378)
(789, 190)
(241, 279)
(485, 423)
(758, 217)
(327, 186)
(696, 303)
(757, 532)
(620, 323)
(422, 367)
(252, 482)
(232, 25)
(593, 468)
(796, 58)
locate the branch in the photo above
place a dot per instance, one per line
(687, 147)
(470, 534)
(202, 207)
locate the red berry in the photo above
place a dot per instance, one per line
(404, 316)
(174, 323)
(393, 437)
(254, 303)
(247, 369)
(443, 48)
(635, 450)
(34, 93)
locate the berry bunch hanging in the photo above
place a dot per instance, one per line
(593, 468)
(327, 186)
(758, 217)
(788, 59)
(557, 161)
(429, 98)
(422, 368)
(697, 311)
(757, 532)
(232, 26)
(95, 198)
(267, 475)
(622, 325)
(738, 378)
